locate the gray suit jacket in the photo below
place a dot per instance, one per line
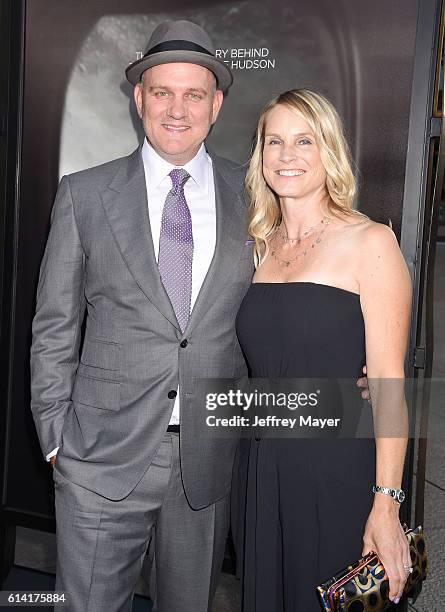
(108, 410)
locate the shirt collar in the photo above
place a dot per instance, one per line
(157, 168)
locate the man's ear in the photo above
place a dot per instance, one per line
(138, 98)
(218, 99)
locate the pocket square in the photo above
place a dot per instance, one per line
(249, 242)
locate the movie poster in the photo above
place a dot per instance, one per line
(78, 111)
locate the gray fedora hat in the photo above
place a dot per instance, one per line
(180, 41)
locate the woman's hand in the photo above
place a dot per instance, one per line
(384, 535)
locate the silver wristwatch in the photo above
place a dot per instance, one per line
(396, 494)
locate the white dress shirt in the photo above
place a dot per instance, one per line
(199, 193)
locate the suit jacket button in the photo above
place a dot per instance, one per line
(172, 394)
(183, 344)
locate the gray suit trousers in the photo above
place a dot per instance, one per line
(101, 543)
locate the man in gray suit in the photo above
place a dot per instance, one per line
(153, 248)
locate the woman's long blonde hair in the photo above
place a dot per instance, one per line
(318, 112)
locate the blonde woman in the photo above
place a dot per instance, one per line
(331, 292)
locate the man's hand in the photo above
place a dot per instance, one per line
(363, 384)
(53, 459)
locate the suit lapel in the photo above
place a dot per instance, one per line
(231, 233)
(125, 204)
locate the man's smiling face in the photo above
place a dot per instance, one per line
(178, 103)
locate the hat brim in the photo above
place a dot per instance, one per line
(222, 73)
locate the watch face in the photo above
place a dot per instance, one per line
(400, 496)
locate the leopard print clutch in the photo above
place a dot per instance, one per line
(364, 586)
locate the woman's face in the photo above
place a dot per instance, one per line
(291, 158)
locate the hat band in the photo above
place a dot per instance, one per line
(177, 45)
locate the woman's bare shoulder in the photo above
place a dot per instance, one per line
(379, 254)
(376, 236)
(365, 232)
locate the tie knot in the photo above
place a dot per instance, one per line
(179, 177)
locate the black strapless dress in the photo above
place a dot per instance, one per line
(304, 501)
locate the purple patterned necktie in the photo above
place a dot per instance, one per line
(176, 247)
